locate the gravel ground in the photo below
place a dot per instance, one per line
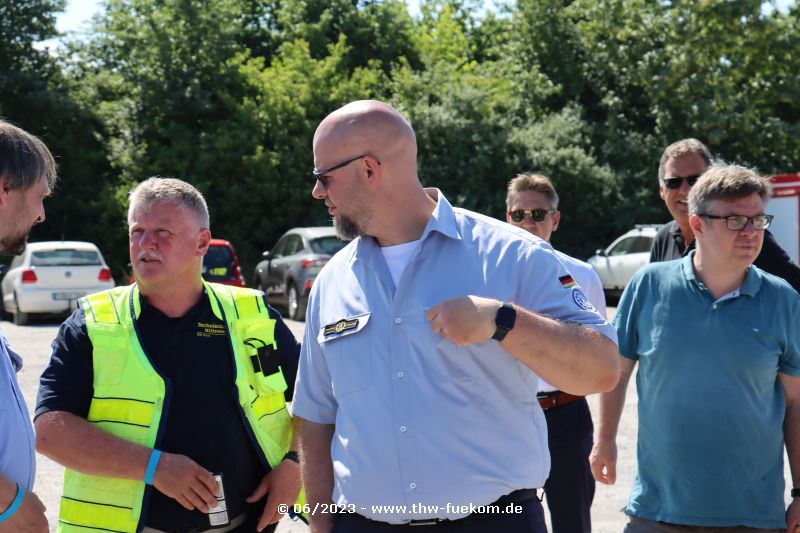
(33, 343)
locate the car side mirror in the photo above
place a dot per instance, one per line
(600, 251)
(267, 255)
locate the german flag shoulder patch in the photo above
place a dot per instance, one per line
(567, 281)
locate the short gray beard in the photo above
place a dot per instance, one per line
(348, 229)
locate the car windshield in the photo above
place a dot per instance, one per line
(65, 257)
(327, 245)
(217, 263)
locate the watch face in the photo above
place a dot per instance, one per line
(504, 320)
(506, 316)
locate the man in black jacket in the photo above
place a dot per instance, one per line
(681, 164)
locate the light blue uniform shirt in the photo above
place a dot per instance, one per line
(711, 408)
(17, 443)
(420, 420)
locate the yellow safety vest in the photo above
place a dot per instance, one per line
(130, 396)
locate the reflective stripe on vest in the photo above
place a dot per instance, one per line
(129, 396)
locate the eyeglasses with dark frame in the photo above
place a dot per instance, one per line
(537, 215)
(319, 174)
(739, 222)
(676, 182)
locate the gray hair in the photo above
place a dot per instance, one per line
(156, 190)
(532, 182)
(681, 148)
(24, 159)
(726, 183)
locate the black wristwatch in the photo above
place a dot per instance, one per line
(795, 493)
(504, 320)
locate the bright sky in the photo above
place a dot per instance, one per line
(80, 11)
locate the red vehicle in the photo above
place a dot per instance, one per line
(220, 264)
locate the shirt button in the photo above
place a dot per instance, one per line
(403, 429)
(715, 306)
(398, 320)
(412, 486)
(400, 375)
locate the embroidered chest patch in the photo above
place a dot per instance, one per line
(340, 326)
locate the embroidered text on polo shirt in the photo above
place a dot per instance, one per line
(205, 329)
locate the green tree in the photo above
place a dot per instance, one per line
(180, 96)
(37, 94)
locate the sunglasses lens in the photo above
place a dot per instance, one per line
(675, 183)
(538, 215)
(517, 216)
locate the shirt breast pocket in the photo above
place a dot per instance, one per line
(346, 345)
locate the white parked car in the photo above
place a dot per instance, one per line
(49, 277)
(617, 264)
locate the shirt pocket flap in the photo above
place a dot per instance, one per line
(342, 327)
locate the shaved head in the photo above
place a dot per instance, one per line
(367, 126)
(365, 160)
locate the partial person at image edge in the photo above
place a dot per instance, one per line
(718, 384)
(27, 175)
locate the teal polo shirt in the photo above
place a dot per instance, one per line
(711, 408)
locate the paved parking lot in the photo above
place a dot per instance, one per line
(33, 343)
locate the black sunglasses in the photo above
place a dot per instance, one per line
(320, 172)
(738, 222)
(675, 183)
(537, 215)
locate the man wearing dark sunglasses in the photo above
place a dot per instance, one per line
(532, 204)
(681, 165)
(417, 383)
(718, 381)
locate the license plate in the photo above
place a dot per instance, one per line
(68, 295)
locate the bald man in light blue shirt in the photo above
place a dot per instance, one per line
(418, 393)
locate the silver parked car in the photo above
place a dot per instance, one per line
(617, 264)
(49, 277)
(288, 270)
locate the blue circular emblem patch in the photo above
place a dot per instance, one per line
(581, 300)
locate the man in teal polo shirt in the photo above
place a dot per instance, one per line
(718, 347)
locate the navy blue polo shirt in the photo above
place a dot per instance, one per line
(203, 419)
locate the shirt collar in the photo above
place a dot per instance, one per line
(750, 285)
(140, 304)
(442, 220)
(675, 230)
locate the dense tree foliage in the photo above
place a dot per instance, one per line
(227, 93)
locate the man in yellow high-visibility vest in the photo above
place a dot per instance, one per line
(172, 384)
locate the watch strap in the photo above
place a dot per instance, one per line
(504, 320)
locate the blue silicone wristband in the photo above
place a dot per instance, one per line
(150, 473)
(15, 505)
